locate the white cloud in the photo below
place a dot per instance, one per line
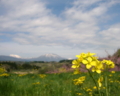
(33, 24)
(28, 51)
(110, 37)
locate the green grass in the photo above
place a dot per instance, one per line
(53, 85)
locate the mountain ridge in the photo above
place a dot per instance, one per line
(45, 57)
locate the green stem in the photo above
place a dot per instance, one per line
(93, 79)
(106, 82)
(106, 85)
(94, 82)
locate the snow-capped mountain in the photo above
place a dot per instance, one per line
(49, 57)
(46, 57)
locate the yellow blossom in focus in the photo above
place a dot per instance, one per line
(88, 62)
(76, 64)
(90, 54)
(98, 67)
(82, 55)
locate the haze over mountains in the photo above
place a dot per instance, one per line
(46, 57)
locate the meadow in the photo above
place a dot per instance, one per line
(58, 84)
(64, 78)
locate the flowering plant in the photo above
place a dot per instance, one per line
(92, 64)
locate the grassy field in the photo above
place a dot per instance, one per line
(100, 78)
(60, 84)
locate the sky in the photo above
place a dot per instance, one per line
(31, 28)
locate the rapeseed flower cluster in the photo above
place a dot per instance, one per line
(91, 62)
(79, 81)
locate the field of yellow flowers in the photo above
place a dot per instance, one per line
(95, 81)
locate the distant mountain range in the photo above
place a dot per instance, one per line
(46, 57)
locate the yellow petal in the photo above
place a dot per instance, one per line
(85, 62)
(83, 55)
(98, 71)
(78, 56)
(93, 69)
(94, 63)
(74, 66)
(74, 62)
(90, 54)
(88, 66)
(89, 59)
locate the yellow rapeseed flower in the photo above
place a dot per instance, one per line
(76, 64)
(98, 67)
(90, 54)
(100, 81)
(109, 63)
(82, 55)
(88, 62)
(79, 81)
